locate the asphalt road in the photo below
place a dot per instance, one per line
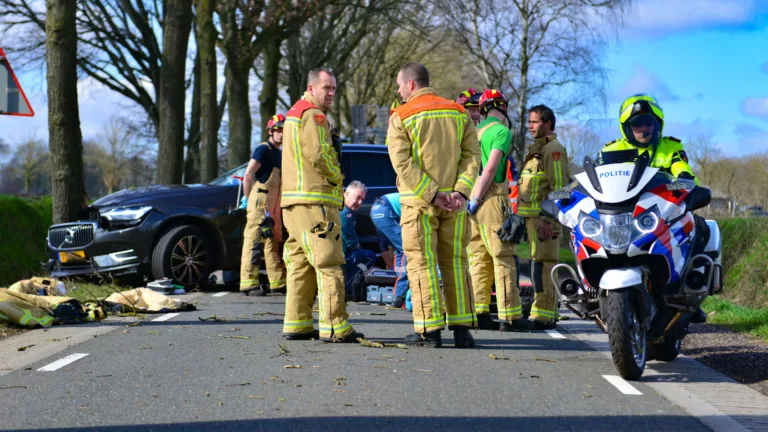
(187, 375)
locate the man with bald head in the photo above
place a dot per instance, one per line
(311, 202)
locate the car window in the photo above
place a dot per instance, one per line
(227, 179)
(373, 169)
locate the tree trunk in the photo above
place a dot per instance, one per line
(522, 102)
(239, 148)
(65, 139)
(296, 84)
(268, 98)
(206, 40)
(176, 28)
(192, 163)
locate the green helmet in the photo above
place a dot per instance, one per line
(641, 110)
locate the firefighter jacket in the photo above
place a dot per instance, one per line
(433, 147)
(669, 155)
(545, 170)
(311, 166)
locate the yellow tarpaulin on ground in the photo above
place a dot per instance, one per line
(35, 285)
(147, 301)
(28, 310)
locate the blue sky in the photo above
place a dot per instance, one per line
(705, 61)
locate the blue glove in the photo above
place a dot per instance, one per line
(472, 206)
(243, 202)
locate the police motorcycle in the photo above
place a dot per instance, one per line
(644, 264)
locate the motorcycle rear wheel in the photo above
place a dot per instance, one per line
(627, 339)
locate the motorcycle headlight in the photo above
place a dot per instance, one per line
(126, 215)
(647, 222)
(618, 232)
(590, 226)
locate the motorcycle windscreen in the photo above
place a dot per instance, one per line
(615, 181)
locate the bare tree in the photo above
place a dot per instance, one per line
(247, 27)
(579, 141)
(530, 49)
(29, 161)
(64, 136)
(118, 143)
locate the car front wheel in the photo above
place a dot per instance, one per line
(183, 255)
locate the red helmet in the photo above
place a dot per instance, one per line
(493, 98)
(276, 122)
(468, 98)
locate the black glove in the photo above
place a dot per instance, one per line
(336, 143)
(265, 228)
(512, 230)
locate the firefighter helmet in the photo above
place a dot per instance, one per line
(276, 122)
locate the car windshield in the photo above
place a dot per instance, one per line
(228, 178)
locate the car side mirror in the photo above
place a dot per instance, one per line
(699, 197)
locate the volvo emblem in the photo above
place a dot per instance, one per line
(68, 237)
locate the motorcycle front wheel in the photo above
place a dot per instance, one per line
(626, 337)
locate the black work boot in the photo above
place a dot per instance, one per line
(463, 338)
(699, 317)
(538, 325)
(255, 292)
(520, 325)
(350, 338)
(314, 334)
(431, 339)
(398, 302)
(484, 322)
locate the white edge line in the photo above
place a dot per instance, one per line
(221, 294)
(555, 334)
(58, 364)
(166, 317)
(622, 385)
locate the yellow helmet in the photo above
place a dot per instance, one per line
(637, 110)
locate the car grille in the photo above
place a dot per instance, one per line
(71, 236)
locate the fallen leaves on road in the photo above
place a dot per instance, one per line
(213, 318)
(281, 400)
(494, 357)
(339, 381)
(348, 405)
(13, 387)
(233, 337)
(387, 355)
(293, 366)
(545, 360)
(238, 385)
(255, 397)
(586, 395)
(135, 324)
(182, 326)
(153, 332)
(24, 348)
(373, 344)
(283, 350)
(146, 347)
(317, 351)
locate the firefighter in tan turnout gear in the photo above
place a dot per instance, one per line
(492, 260)
(545, 169)
(311, 202)
(262, 235)
(434, 151)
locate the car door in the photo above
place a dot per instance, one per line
(374, 168)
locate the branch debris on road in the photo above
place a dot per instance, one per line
(373, 344)
(293, 366)
(24, 348)
(213, 318)
(545, 360)
(233, 336)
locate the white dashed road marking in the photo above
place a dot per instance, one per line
(622, 385)
(58, 364)
(167, 316)
(221, 294)
(555, 334)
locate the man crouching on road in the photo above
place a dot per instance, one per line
(311, 202)
(435, 175)
(358, 260)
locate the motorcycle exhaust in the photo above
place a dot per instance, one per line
(569, 288)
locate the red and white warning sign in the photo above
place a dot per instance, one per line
(13, 101)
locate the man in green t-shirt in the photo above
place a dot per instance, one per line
(492, 260)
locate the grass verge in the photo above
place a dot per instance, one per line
(753, 321)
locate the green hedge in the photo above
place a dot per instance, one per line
(23, 229)
(745, 261)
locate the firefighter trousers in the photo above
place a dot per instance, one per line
(314, 258)
(545, 254)
(435, 238)
(254, 247)
(493, 261)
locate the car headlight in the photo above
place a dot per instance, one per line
(126, 214)
(590, 226)
(618, 232)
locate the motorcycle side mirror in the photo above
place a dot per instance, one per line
(550, 209)
(698, 198)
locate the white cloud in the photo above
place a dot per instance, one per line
(658, 17)
(643, 81)
(756, 107)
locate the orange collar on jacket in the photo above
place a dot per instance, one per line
(425, 99)
(306, 103)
